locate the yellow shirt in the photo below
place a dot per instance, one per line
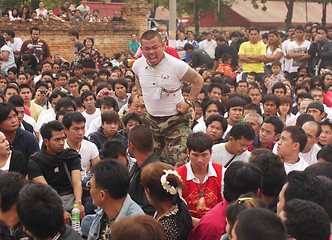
(249, 49)
(35, 110)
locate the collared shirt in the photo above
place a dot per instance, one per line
(129, 207)
(191, 177)
(5, 232)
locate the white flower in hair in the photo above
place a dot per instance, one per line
(166, 185)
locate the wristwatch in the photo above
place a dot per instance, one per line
(191, 103)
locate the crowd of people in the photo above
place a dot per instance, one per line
(225, 136)
(64, 13)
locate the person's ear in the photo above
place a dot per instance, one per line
(46, 142)
(277, 136)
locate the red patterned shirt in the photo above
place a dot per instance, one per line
(201, 197)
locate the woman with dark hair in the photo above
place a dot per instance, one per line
(89, 56)
(273, 51)
(13, 16)
(316, 82)
(10, 160)
(26, 13)
(162, 185)
(327, 80)
(6, 56)
(119, 58)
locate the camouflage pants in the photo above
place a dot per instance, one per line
(170, 137)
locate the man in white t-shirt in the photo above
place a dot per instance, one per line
(287, 60)
(90, 112)
(309, 153)
(74, 123)
(159, 79)
(209, 45)
(13, 42)
(236, 149)
(179, 46)
(292, 141)
(298, 52)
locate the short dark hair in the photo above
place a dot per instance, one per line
(235, 102)
(279, 85)
(199, 142)
(10, 33)
(71, 117)
(113, 148)
(297, 135)
(208, 101)
(259, 224)
(320, 169)
(131, 116)
(242, 129)
(16, 100)
(271, 97)
(65, 102)
(306, 220)
(120, 81)
(56, 93)
(34, 28)
(274, 175)
(325, 153)
(87, 94)
(150, 34)
(110, 117)
(240, 178)
(74, 80)
(142, 137)
(299, 27)
(218, 118)
(253, 106)
(40, 84)
(5, 109)
(304, 186)
(212, 86)
(112, 176)
(74, 33)
(47, 128)
(40, 210)
(83, 83)
(276, 122)
(88, 38)
(10, 185)
(253, 29)
(110, 102)
(188, 46)
(303, 118)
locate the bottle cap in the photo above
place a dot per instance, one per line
(75, 205)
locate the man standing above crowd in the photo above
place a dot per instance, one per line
(133, 45)
(298, 51)
(252, 54)
(37, 47)
(159, 81)
(84, 9)
(209, 45)
(13, 42)
(74, 36)
(321, 49)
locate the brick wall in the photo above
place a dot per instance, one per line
(110, 38)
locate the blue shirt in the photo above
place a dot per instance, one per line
(133, 46)
(129, 207)
(26, 143)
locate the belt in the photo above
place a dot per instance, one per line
(161, 119)
(168, 92)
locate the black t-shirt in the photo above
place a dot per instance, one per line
(55, 177)
(221, 50)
